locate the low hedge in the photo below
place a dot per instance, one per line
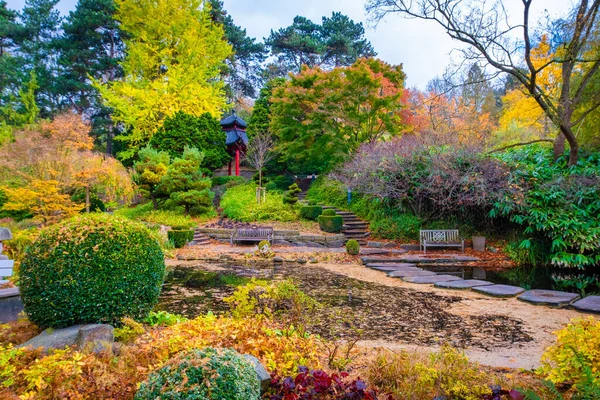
(353, 247)
(311, 212)
(180, 237)
(224, 180)
(211, 374)
(330, 223)
(91, 269)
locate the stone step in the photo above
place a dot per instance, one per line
(405, 273)
(363, 235)
(590, 304)
(551, 298)
(345, 213)
(383, 259)
(356, 224)
(431, 279)
(463, 284)
(499, 290)
(353, 230)
(391, 266)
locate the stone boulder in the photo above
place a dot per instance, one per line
(92, 337)
(261, 372)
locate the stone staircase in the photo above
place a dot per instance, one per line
(354, 227)
(303, 184)
(200, 239)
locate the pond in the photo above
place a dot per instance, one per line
(377, 311)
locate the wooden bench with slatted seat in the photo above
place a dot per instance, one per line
(441, 238)
(254, 234)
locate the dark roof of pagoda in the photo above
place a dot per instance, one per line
(235, 135)
(233, 119)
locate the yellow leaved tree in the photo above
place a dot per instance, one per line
(174, 55)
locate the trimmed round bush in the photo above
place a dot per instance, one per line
(312, 202)
(271, 186)
(91, 269)
(180, 237)
(352, 247)
(212, 374)
(329, 212)
(311, 212)
(330, 223)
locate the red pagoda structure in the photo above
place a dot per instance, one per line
(236, 140)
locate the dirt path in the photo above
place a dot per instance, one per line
(537, 321)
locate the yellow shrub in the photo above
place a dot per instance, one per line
(577, 347)
(447, 372)
(69, 374)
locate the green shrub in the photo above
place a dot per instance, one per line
(228, 180)
(174, 218)
(180, 237)
(211, 374)
(312, 202)
(239, 203)
(311, 212)
(163, 318)
(91, 269)
(331, 224)
(282, 182)
(353, 247)
(291, 196)
(271, 186)
(329, 212)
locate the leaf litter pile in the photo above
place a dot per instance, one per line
(378, 311)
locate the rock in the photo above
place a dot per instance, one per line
(548, 297)
(335, 244)
(499, 290)
(92, 337)
(589, 304)
(389, 245)
(290, 260)
(261, 372)
(493, 249)
(315, 244)
(313, 260)
(278, 259)
(431, 279)
(301, 261)
(96, 337)
(463, 284)
(377, 245)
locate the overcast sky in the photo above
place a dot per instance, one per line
(422, 47)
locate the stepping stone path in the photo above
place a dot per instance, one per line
(390, 269)
(589, 304)
(499, 290)
(353, 228)
(391, 265)
(432, 279)
(463, 284)
(548, 297)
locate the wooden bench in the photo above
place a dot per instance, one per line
(254, 234)
(441, 238)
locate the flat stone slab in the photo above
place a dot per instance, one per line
(392, 269)
(590, 304)
(390, 265)
(463, 284)
(405, 273)
(549, 297)
(369, 260)
(499, 290)
(431, 279)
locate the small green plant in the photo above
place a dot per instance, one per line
(128, 331)
(291, 196)
(163, 318)
(311, 212)
(211, 374)
(352, 247)
(330, 222)
(180, 237)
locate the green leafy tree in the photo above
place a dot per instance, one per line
(149, 172)
(185, 183)
(174, 56)
(337, 42)
(244, 66)
(91, 46)
(321, 117)
(8, 67)
(203, 132)
(261, 113)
